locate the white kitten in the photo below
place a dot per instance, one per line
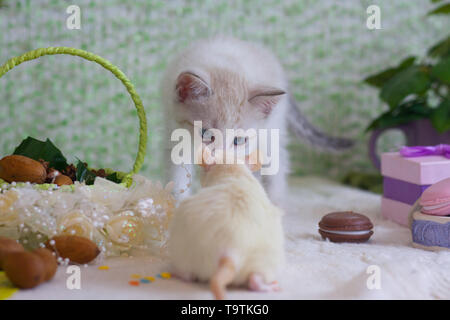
(231, 84)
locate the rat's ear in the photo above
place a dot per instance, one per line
(191, 86)
(265, 98)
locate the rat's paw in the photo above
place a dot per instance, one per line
(257, 283)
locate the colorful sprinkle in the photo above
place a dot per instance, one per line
(145, 280)
(103, 268)
(136, 276)
(165, 275)
(133, 283)
(6, 287)
(151, 279)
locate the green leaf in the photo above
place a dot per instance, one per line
(444, 9)
(440, 49)
(413, 80)
(364, 180)
(441, 71)
(404, 113)
(113, 177)
(379, 79)
(441, 117)
(35, 149)
(435, 1)
(83, 174)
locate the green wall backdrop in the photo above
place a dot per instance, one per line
(324, 45)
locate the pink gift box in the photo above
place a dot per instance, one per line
(418, 170)
(396, 211)
(405, 179)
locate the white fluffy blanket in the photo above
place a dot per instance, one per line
(316, 269)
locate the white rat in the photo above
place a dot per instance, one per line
(228, 233)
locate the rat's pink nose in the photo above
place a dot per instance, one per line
(205, 157)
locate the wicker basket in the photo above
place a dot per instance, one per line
(118, 217)
(126, 178)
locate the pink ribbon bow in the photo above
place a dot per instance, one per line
(420, 151)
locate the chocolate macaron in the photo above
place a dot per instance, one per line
(345, 226)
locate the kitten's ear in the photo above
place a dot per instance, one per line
(191, 87)
(265, 98)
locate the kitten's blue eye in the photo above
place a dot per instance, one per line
(207, 135)
(240, 140)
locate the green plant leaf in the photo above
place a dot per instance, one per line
(435, 1)
(444, 9)
(441, 71)
(413, 80)
(364, 180)
(36, 149)
(113, 177)
(379, 79)
(387, 120)
(404, 113)
(83, 174)
(440, 49)
(441, 117)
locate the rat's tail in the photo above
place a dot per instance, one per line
(222, 277)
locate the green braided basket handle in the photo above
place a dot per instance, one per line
(34, 54)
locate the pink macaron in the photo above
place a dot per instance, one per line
(436, 199)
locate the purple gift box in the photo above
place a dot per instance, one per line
(406, 175)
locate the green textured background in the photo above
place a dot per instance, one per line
(324, 45)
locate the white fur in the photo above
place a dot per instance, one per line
(231, 216)
(255, 66)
